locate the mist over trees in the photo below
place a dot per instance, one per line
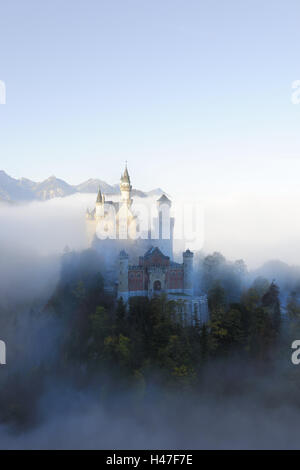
(79, 349)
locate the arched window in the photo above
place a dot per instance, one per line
(157, 286)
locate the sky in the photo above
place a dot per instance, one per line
(196, 95)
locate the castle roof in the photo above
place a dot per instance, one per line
(188, 253)
(123, 254)
(99, 195)
(125, 177)
(154, 250)
(164, 200)
(173, 264)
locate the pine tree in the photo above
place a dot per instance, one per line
(270, 300)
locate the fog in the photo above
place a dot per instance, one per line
(258, 414)
(254, 229)
(45, 227)
(259, 411)
(32, 238)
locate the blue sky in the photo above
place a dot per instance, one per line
(196, 95)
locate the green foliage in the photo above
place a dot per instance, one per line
(293, 306)
(147, 336)
(100, 324)
(184, 377)
(251, 325)
(293, 314)
(261, 285)
(117, 350)
(216, 297)
(216, 270)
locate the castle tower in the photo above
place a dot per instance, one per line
(99, 204)
(90, 227)
(165, 225)
(188, 283)
(99, 197)
(123, 276)
(126, 188)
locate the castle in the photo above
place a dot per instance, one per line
(119, 223)
(116, 225)
(156, 274)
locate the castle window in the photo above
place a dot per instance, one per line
(157, 286)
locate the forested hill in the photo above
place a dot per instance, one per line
(143, 362)
(147, 336)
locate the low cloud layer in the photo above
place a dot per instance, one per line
(235, 407)
(264, 416)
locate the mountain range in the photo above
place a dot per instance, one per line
(23, 189)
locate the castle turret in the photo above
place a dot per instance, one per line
(99, 204)
(165, 225)
(99, 196)
(123, 276)
(125, 188)
(188, 283)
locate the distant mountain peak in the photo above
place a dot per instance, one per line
(24, 189)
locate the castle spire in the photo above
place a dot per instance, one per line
(125, 187)
(99, 196)
(125, 177)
